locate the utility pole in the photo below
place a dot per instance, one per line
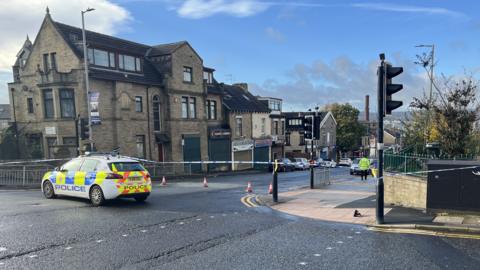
(87, 83)
(380, 109)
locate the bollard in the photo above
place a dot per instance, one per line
(24, 175)
(275, 186)
(311, 177)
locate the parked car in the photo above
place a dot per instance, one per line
(284, 165)
(354, 169)
(301, 163)
(314, 163)
(329, 163)
(345, 162)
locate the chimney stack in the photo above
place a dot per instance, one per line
(367, 108)
(244, 86)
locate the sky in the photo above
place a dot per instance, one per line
(309, 53)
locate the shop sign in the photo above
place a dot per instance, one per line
(263, 142)
(242, 145)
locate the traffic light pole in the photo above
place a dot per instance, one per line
(381, 110)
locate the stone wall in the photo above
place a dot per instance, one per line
(407, 191)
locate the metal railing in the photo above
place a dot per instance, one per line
(23, 175)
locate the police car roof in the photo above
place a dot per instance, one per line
(109, 158)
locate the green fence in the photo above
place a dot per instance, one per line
(413, 164)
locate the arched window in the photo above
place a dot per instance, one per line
(156, 113)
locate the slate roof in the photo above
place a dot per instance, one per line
(238, 100)
(150, 74)
(4, 111)
(164, 49)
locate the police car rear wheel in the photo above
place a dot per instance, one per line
(48, 190)
(141, 198)
(96, 196)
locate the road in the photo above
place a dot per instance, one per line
(187, 226)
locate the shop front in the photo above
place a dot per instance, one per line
(242, 150)
(262, 153)
(219, 149)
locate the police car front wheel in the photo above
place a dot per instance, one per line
(48, 190)
(96, 196)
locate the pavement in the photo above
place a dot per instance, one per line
(338, 201)
(186, 226)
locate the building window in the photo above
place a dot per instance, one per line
(192, 107)
(283, 127)
(238, 126)
(51, 143)
(111, 61)
(45, 62)
(67, 103)
(138, 104)
(302, 139)
(287, 139)
(274, 105)
(208, 76)
(48, 103)
(263, 126)
(211, 109)
(30, 105)
(69, 141)
(187, 74)
(184, 107)
(53, 61)
(140, 140)
(295, 122)
(156, 113)
(129, 63)
(275, 127)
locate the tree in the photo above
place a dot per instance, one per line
(454, 112)
(349, 130)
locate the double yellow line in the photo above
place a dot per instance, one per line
(249, 201)
(426, 232)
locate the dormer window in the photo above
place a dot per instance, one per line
(101, 58)
(129, 63)
(208, 76)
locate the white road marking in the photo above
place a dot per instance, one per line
(212, 216)
(349, 237)
(3, 249)
(100, 240)
(124, 235)
(1, 263)
(339, 242)
(358, 232)
(144, 231)
(302, 263)
(329, 248)
(181, 223)
(374, 200)
(68, 248)
(162, 227)
(33, 256)
(198, 219)
(236, 213)
(224, 215)
(316, 255)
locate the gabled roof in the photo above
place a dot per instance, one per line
(163, 49)
(236, 99)
(5, 111)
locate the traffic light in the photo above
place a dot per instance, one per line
(84, 129)
(391, 88)
(308, 126)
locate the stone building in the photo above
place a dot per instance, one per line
(297, 146)
(247, 118)
(277, 120)
(152, 100)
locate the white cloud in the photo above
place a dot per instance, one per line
(274, 34)
(19, 18)
(409, 9)
(197, 9)
(341, 80)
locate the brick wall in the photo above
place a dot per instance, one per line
(407, 191)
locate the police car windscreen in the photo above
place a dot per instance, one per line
(126, 166)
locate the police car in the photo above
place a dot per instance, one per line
(98, 177)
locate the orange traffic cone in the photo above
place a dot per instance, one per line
(164, 181)
(249, 187)
(205, 183)
(270, 189)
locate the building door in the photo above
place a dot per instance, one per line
(161, 157)
(261, 154)
(191, 152)
(219, 150)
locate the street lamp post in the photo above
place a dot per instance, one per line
(432, 64)
(87, 83)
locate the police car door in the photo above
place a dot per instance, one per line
(87, 175)
(65, 183)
